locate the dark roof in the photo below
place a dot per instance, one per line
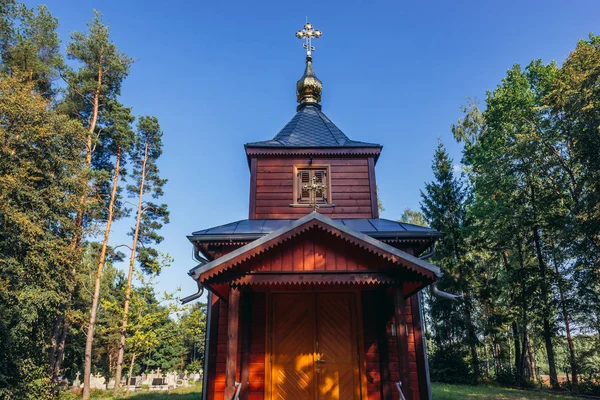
(255, 228)
(314, 216)
(310, 128)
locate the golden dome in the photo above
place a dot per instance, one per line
(309, 87)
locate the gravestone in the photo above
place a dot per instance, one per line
(158, 384)
(97, 382)
(77, 382)
(172, 380)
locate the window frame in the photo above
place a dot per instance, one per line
(298, 189)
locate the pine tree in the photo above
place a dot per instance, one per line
(120, 137)
(444, 204)
(97, 80)
(30, 45)
(149, 216)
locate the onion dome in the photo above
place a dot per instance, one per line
(309, 87)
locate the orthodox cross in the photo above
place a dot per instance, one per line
(312, 188)
(308, 33)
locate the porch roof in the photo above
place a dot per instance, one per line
(251, 229)
(287, 231)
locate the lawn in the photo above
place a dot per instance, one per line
(190, 393)
(442, 391)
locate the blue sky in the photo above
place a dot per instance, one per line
(219, 74)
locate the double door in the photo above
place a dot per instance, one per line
(314, 347)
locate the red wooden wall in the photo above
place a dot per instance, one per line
(352, 188)
(371, 355)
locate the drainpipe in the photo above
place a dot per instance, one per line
(444, 295)
(199, 258)
(194, 296)
(434, 289)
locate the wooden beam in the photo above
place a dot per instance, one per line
(382, 317)
(415, 303)
(232, 342)
(373, 188)
(317, 279)
(402, 340)
(252, 208)
(213, 334)
(246, 340)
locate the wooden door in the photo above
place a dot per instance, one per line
(337, 355)
(293, 347)
(314, 347)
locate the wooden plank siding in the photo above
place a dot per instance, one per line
(218, 387)
(371, 345)
(272, 188)
(394, 360)
(309, 253)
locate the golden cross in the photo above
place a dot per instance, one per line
(308, 33)
(312, 188)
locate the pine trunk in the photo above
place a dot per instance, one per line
(131, 364)
(472, 336)
(87, 370)
(547, 328)
(58, 343)
(565, 313)
(532, 360)
(518, 364)
(130, 274)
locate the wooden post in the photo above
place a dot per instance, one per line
(402, 340)
(211, 352)
(232, 342)
(245, 356)
(382, 317)
(415, 303)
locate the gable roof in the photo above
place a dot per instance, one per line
(310, 128)
(265, 243)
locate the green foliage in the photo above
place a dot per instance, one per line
(96, 56)
(525, 231)
(146, 150)
(449, 364)
(39, 169)
(30, 45)
(413, 217)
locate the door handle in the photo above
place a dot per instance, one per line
(319, 362)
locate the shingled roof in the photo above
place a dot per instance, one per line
(310, 128)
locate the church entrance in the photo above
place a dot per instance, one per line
(314, 346)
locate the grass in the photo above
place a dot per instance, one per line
(189, 393)
(441, 391)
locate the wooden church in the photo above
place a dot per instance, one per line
(314, 296)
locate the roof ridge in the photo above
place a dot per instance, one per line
(321, 115)
(296, 117)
